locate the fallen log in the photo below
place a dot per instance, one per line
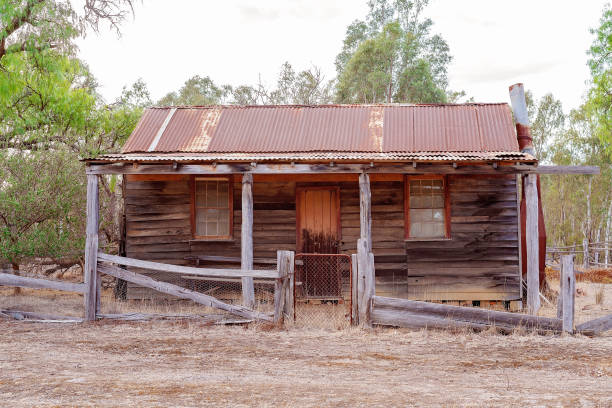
(595, 326)
(23, 315)
(8, 279)
(139, 317)
(181, 292)
(459, 314)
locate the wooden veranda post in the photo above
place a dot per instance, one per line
(531, 237)
(567, 292)
(246, 240)
(92, 282)
(285, 262)
(365, 209)
(365, 259)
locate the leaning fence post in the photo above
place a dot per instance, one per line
(568, 292)
(92, 281)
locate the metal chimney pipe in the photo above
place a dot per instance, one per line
(519, 106)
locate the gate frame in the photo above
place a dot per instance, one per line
(351, 281)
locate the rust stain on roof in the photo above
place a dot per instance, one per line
(375, 125)
(328, 128)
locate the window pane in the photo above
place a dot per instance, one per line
(420, 216)
(438, 201)
(438, 215)
(212, 208)
(427, 209)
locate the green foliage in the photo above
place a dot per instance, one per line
(599, 103)
(393, 57)
(197, 90)
(547, 123)
(40, 205)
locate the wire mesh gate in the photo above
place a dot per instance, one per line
(322, 292)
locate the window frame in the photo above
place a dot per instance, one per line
(230, 195)
(447, 217)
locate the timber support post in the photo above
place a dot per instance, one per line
(365, 282)
(567, 292)
(246, 240)
(354, 296)
(92, 280)
(365, 209)
(531, 238)
(285, 265)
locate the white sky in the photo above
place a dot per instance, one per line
(541, 43)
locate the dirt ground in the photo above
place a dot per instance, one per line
(188, 363)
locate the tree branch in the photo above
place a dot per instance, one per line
(16, 23)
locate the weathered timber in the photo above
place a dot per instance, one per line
(188, 270)
(237, 168)
(246, 240)
(39, 317)
(232, 259)
(8, 279)
(566, 170)
(91, 249)
(532, 235)
(289, 283)
(468, 314)
(181, 293)
(365, 209)
(354, 292)
(568, 292)
(401, 318)
(366, 281)
(285, 266)
(596, 326)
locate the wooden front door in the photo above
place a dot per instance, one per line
(318, 219)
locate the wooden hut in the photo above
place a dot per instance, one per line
(432, 189)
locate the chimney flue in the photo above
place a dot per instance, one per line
(519, 106)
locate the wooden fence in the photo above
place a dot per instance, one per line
(115, 266)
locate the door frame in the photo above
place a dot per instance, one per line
(298, 227)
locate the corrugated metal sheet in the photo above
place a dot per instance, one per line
(317, 156)
(330, 128)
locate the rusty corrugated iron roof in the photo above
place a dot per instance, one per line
(329, 128)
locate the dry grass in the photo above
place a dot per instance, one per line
(189, 364)
(591, 275)
(599, 295)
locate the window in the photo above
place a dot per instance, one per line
(426, 207)
(212, 208)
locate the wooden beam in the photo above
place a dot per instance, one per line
(8, 279)
(91, 249)
(568, 292)
(246, 240)
(314, 168)
(181, 293)
(531, 237)
(189, 270)
(566, 170)
(472, 315)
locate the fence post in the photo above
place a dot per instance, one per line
(365, 283)
(568, 292)
(285, 267)
(92, 280)
(288, 284)
(246, 240)
(531, 238)
(354, 297)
